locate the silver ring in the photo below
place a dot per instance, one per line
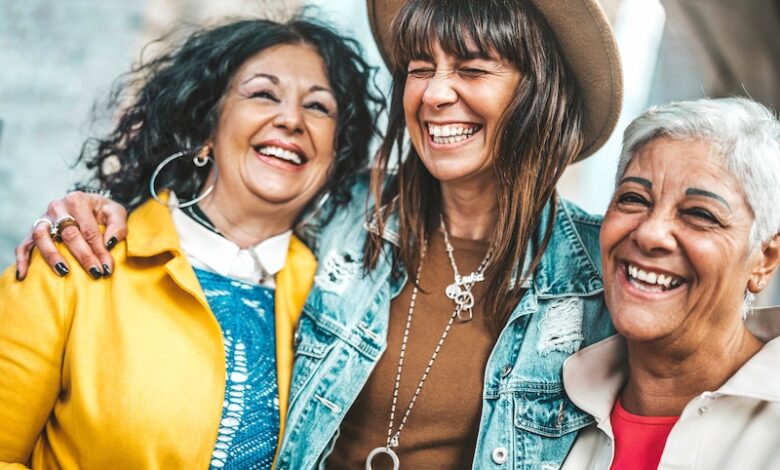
(44, 220)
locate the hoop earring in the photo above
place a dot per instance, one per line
(199, 160)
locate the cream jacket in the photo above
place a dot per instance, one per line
(734, 427)
(126, 372)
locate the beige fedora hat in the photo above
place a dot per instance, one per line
(588, 44)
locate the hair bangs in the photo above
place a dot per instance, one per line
(462, 28)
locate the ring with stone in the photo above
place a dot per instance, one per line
(61, 224)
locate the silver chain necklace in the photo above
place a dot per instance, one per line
(393, 439)
(460, 290)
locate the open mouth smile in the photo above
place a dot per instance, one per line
(283, 154)
(452, 133)
(650, 281)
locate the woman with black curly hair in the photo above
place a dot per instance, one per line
(181, 358)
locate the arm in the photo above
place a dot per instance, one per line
(89, 245)
(35, 323)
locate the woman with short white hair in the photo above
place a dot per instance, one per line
(691, 234)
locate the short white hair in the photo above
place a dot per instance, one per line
(745, 133)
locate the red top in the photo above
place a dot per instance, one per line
(639, 440)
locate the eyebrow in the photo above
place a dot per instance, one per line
(321, 88)
(275, 80)
(635, 179)
(705, 193)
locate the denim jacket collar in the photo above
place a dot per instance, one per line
(566, 268)
(577, 276)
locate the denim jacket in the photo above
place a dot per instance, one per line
(527, 421)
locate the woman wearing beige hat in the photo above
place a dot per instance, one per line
(440, 318)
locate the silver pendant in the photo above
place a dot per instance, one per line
(383, 450)
(465, 315)
(452, 291)
(465, 302)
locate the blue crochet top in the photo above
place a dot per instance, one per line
(249, 427)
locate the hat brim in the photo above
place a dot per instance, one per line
(587, 42)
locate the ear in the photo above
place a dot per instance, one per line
(205, 149)
(766, 265)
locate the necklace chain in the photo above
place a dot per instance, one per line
(460, 290)
(393, 439)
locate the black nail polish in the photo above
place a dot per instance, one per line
(106, 270)
(95, 272)
(18, 276)
(111, 243)
(61, 269)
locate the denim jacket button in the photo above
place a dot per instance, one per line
(506, 370)
(500, 455)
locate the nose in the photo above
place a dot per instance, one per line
(289, 118)
(655, 234)
(439, 92)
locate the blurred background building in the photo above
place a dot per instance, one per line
(57, 57)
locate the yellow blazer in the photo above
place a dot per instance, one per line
(128, 371)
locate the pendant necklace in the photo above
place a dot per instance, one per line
(464, 302)
(460, 290)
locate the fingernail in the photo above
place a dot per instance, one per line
(111, 242)
(95, 272)
(18, 276)
(61, 268)
(106, 270)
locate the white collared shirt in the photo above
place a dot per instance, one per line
(207, 250)
(736, 426)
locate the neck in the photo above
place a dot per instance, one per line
(246, 225)
(664, 378)
(470, 210)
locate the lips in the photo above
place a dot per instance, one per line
(282, 151)
(649, 280)
(454, 133)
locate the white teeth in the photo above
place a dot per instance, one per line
(446, 134)
(450, 140)
(650, 277)
(281, 153)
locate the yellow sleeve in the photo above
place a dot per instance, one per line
(33, 332)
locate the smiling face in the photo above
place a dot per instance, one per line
(453, 107)
(274, 141)
(675, 245)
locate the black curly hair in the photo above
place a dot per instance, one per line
(175, 100)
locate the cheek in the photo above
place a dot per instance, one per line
(718, 265)
(612, 230)
(413, 92)
(323, 134)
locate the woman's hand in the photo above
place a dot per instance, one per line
(85, 240)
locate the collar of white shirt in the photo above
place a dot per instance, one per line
(210, 251)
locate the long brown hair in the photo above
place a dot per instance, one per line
(539, 136)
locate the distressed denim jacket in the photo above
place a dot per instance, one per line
(527, 421)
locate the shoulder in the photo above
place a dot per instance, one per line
(347, 223)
